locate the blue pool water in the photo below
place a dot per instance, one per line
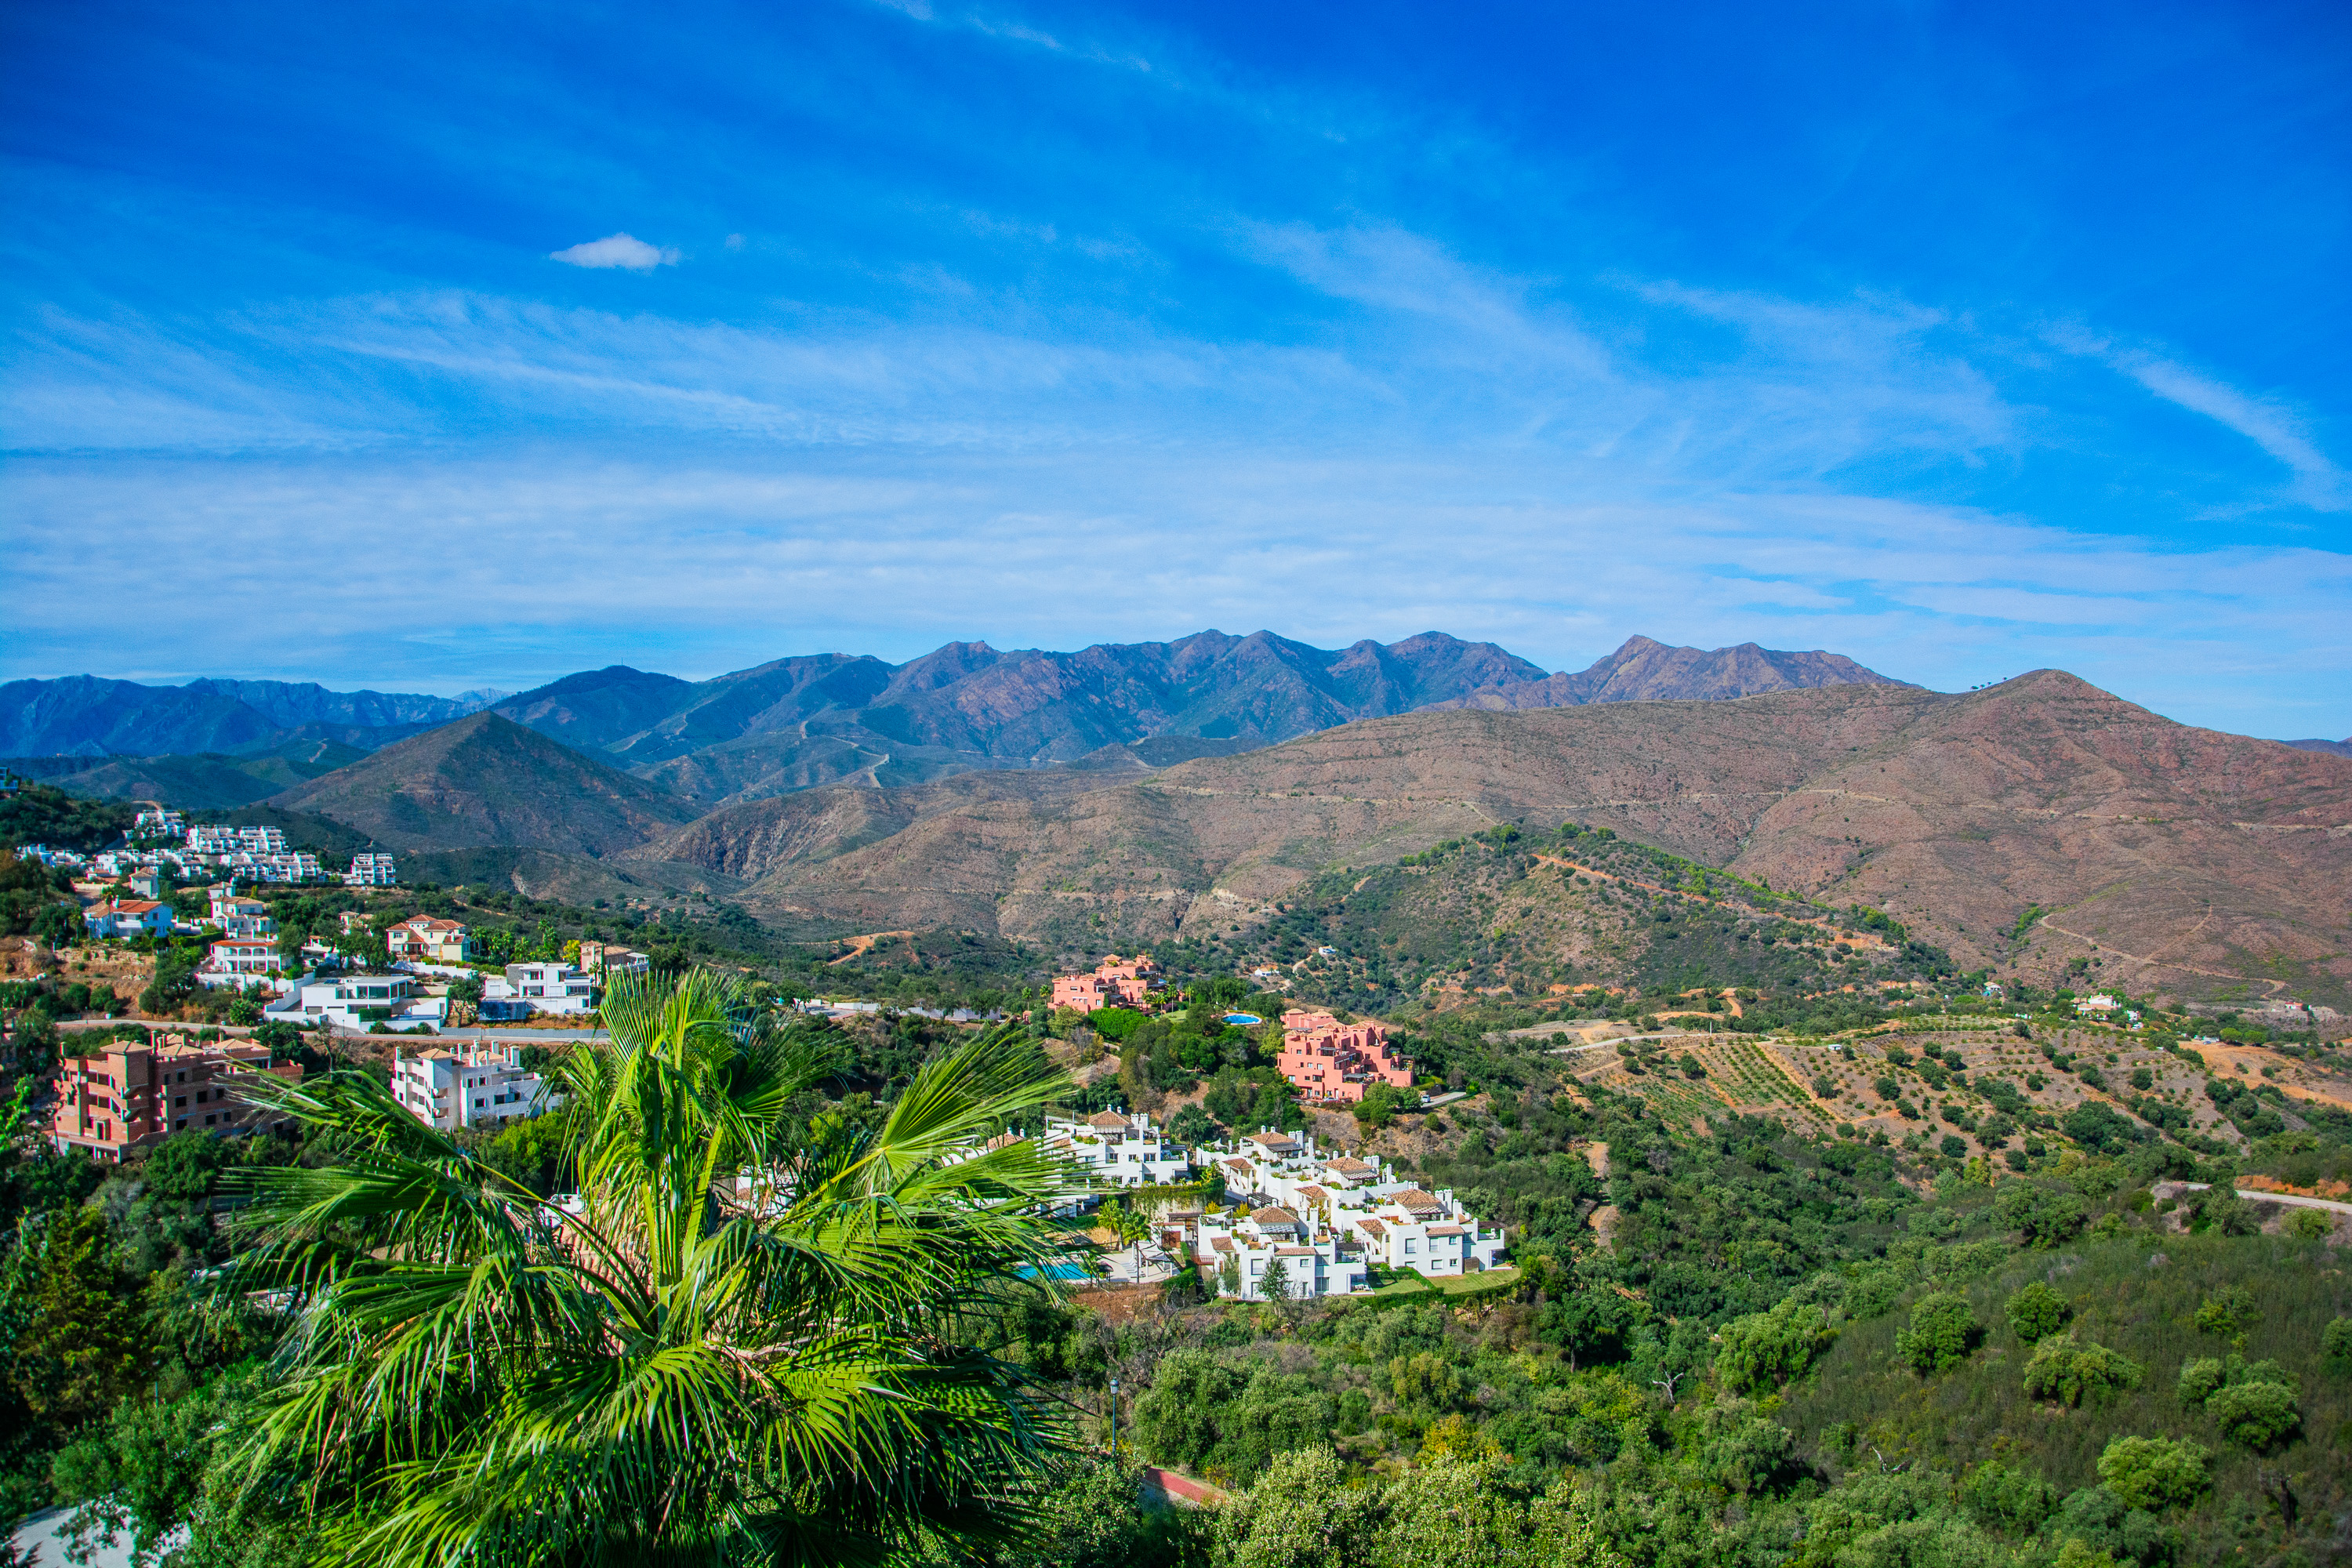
(1056, 1271)
(1243, 1019)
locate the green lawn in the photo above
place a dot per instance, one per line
(1406, 1282)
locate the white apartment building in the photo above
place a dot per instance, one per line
(372, 870)
(1362, 1205)
(1236, 1252)
(1428, 1233)
(1118, 1149)
(449, 1089)
(220, 838)
(542, 988)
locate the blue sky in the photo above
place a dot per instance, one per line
(427, 348)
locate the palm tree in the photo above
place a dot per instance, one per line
(736, 1344)
(1132, 1228)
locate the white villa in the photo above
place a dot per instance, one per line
(353, 1001)
(542, 988)
(239, 961)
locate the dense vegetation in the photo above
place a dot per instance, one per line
(1564, 914)
(42, 814)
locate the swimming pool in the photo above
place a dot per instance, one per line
(1056, 1271)
(1243, 1019)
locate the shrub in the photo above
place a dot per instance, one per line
(1764, 1350)
(2016, 1501)
(2036, 1311)
(2309, 1224)
(1953, 1145)
(2256, 1415)
(1943, 1332)
(2335, 1342)
(2154, 1473)
(2042, 1216)
(2227, 1312)
(2071, 1371)
(2200, 1378)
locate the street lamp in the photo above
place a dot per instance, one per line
(1114, 1421)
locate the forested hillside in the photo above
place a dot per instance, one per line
(1723, 1336)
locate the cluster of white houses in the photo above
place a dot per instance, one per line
(253, 853)
(1315, 1221)
(1326, 1218)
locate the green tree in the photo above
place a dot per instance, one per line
(2154, 1473)
(1764, 1350)
(2071, 1371)
(1943, 1332)
(174, 983)
(2042, 1216)
(143, 1472)
(1445, 1513)
(2229, 1313)
(2257, 1415)
(78, 1351)
(2035, 1312)
(744, 1343)
(1379, 1105)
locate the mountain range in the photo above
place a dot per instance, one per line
(1137, 794)
(799, 723)
(89, 716)
(2021, 826)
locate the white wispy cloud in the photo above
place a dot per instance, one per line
(616, 250)
(2319, 482)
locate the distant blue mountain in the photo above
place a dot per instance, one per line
(89, 716)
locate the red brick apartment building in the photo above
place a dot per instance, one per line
(134, 1096)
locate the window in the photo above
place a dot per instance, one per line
(1257, 1265)
(1412, 1245)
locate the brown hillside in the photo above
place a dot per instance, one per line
(2196, 859)
(486, 779)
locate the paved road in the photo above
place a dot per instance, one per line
(2256, 1196)
(471, 1035)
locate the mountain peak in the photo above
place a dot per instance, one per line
(1643, 669)
(487, 780)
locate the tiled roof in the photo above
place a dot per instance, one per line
(1107, 1120)
(1221, 1244)
(1274, 1214)
(1371, 1228)
(1444, 1230)
(1414, 1199)
(1294, 1252)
